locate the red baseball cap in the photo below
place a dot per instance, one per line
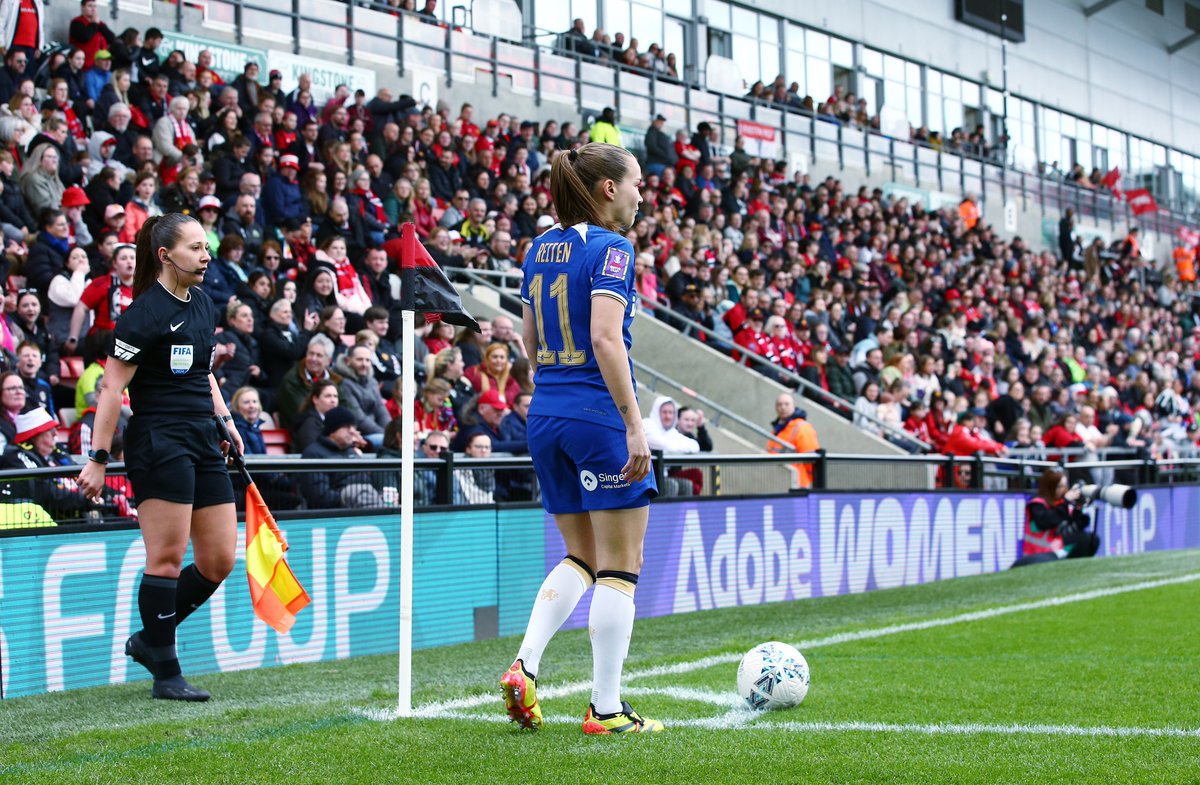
(493, 398)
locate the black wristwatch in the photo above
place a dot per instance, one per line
(99, 456)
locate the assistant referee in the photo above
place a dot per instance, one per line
(162, 353)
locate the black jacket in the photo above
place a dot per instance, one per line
(280, 350)
(323, 489)
(44, 262)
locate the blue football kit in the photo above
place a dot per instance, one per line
(576, 435)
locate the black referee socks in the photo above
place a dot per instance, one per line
(192, 591)
(156, 603)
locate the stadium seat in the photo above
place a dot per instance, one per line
(67, 416)
(70, 368)
(277, 441)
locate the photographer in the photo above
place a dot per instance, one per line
(1055, 524)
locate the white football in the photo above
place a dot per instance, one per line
(773, 675)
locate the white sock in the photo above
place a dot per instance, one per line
(556, 599)
(610, 624)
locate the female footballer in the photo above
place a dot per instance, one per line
(585, 429)
(162, 353)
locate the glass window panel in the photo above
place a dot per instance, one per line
(841, 52)
(873, 62)
(952, 87)
(912, 73)
(1083, 155)
(768, 28)
(970, 94)
(914, 107)
(616, 17)
(745, 21)
(1100, 135)
(795, 38)
(816, 44)
(585, 10)
(893, 68)
(673, 40)
(893, 95)
(936, 121)
(769, 59)
(954, 115)
(553, 16)
(745, 54)
(1050, 119)
(1160, 155)
(717, 12)
(868, 93)
(795, 68)
(647, 26)
(681, 8)
(996, 101)
(1068, 126)
(933, 82)
(818, 79)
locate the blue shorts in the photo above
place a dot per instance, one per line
(579, 464)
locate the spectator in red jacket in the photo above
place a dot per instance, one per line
(967, 438)
(752, 338)
(89, 33)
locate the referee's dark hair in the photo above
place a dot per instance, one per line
(161, 231)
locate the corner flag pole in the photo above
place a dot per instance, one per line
(408, 398)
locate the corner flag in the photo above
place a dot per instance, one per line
(423, 285)
(274, 591)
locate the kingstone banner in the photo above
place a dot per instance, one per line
(67, 598)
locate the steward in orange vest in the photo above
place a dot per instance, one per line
(1055, 526)
(791, 427)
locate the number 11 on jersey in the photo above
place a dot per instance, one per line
(568, 355)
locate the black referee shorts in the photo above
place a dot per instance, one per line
(177, 460)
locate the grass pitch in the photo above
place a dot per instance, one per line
(1081, 672)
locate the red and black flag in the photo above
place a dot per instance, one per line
(424, 287)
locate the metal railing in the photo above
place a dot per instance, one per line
(720, 473)
(691, 328)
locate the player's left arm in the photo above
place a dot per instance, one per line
(222, 411)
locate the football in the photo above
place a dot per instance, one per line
(773, 675)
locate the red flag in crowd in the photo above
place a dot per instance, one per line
(1188, 236)
(1141, 201)
(1112, 181)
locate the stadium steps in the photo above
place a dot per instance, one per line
(744, 392)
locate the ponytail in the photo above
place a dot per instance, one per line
(574, 176)
(160, 231)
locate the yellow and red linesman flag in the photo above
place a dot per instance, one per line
(274, 591)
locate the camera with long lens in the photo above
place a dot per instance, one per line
(1123, 496)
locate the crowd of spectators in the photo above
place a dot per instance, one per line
(918, 317)
(618, 52)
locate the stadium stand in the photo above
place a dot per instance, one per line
(897, 315)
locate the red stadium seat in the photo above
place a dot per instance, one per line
(70, 368)
(277, 441)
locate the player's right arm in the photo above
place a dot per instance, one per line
(608, 344)
(117, 374)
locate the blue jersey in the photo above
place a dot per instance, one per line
(564, 269)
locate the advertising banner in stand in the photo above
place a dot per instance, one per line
(761, 140)
(229, 60)
(326, 74)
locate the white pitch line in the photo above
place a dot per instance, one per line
(744, 719)
(443, 708)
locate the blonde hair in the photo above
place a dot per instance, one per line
(485, 381)
(574, 177)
